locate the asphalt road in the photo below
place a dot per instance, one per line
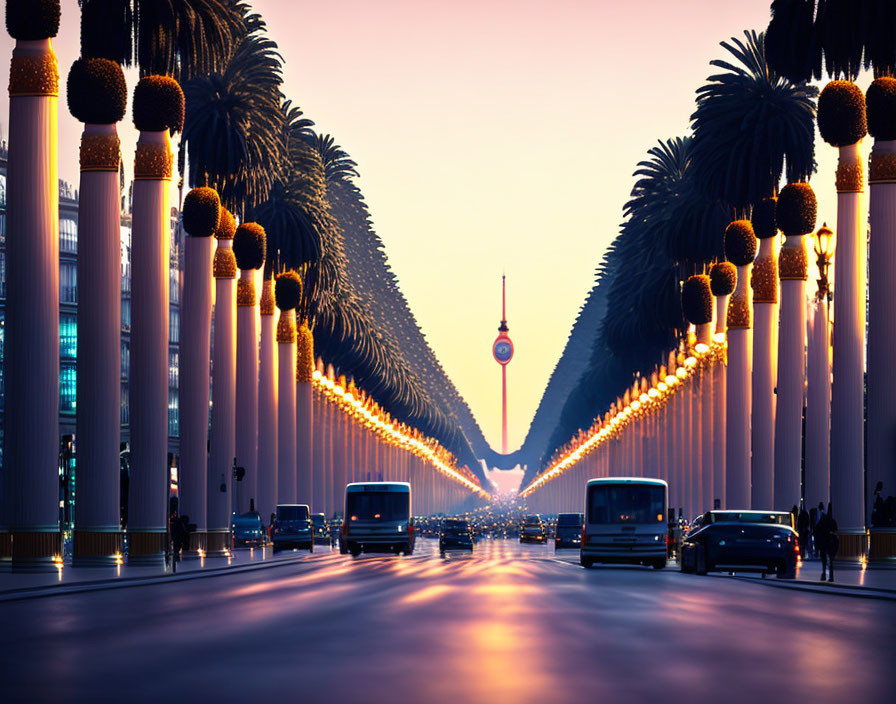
(511, 623)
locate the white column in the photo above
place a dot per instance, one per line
(765, 372)
(148, 386)
(818, 408)
(882, 340)
(286, 407)
(268, 458)
(791, 374)
(847, 392)
(739, 393)
(720, 407)
(97, 534)
(246, 391)
(31, 418)
(195, 353)
(223, 429)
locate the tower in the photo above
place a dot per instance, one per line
(502, 349)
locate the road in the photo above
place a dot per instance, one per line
(511, 623)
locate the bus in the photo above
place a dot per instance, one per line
(625, 522)
(378, 518)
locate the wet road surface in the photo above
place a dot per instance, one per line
(511, 623)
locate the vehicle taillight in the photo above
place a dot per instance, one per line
(584, 537)
(410, 530)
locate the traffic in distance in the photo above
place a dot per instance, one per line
(626, 520)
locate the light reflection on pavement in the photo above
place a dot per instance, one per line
(511, 623)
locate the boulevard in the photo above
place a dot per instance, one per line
(509, 623)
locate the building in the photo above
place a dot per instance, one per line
(68, 331)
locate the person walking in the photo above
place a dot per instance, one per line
(826, 541)
(813, 521)
(802, 529)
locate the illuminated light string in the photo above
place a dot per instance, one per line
(397, 434)
(651, 400)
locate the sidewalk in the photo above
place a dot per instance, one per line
(878, 581)
(68, 579)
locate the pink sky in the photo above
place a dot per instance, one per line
(491, 136)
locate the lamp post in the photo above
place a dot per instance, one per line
(818, 392)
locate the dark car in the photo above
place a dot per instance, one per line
(292, 528)
(727, 540)
(455, 534)
(246, 530)
(568, 533)
(533, 530)
(321, 529)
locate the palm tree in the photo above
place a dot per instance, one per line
(179, 38)
(843, 36)
(751, 121)
(233, 133)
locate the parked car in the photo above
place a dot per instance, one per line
(246, 530)
(321, 529)
(568, 533)
(292, 528)
(455, 534)
(727, 540)
(378, 518)
(533, 530)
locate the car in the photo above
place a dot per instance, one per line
(568, 533)
(378, 518)
(625, 522)
(292, 528)
(737, 540)
(455, 534)
(321, 529)
(533, 530)
(246, 530)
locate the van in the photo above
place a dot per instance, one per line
(378, 518)
(292, 528)
(625, 522)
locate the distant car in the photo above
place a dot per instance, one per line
(246, 530)
(321, 529)
(455, 534)
(568, 533)
(725, 540)
(292, 528)
(533, 530)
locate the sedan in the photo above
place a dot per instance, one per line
(727, 540)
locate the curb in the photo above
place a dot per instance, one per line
(850, 590)
(128, 582)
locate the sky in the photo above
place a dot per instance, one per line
(492, 136)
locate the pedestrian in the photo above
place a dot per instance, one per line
(802, 529)
(813, 521)
(185, 522)
(177, 536)
(827, 542)
(271, 527)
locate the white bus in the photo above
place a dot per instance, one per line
(625, 522)
(378, 518)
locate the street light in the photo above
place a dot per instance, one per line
(824, 252)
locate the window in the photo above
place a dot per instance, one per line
(67, 388)
(125, 406)
(2, 350)
(68, 336)
(125, 259)
(173, 430)
(125, 359)
(174, 326)
(174, 285)
(626, 503)
(68, 235)
(2, 274)
(2, 190)
(173, 369)
(126, 314)
(68, 282)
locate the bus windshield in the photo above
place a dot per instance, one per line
(626, 503)
(377, 506)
